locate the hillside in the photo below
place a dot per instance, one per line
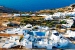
(7, 10)
(62, 9)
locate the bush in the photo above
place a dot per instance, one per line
(21, 38)
(63, 22)
(67, 17)
(50, 24)
(58, 26)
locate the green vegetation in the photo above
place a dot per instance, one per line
(11, 19)
(36, 20)
(40, 21)
(67, 17)
(50, 23)
(63, 22)
(58, 26)
(51, 13)
(21, 38)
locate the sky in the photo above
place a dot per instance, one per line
(34, 5)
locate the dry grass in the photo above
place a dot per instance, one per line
(73, 29)
(6, 19)
(8, 35)
(61, 30)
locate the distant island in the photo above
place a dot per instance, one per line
(4, 9)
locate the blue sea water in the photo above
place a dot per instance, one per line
(35, 5)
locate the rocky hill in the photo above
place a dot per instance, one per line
(62, 9)
(7, 10)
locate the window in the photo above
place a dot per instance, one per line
(57, 34)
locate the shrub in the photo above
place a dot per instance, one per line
(63, 22)
(58, 26)
(67, 17)
(21, 38)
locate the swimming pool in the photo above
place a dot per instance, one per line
(37, 33)
(40, 33)
(31, 33)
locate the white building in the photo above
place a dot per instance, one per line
(24, 14)
(16, 15)
(69, 23)
(33, 15)
(58, 39)
(59, 15)
(48, 17)
(19, 30)
(13, 41)
(74, 9)
(70, 33)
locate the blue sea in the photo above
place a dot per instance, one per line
(35, 5)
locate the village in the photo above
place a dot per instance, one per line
(38, 30)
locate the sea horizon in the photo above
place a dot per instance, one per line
(35, 5)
